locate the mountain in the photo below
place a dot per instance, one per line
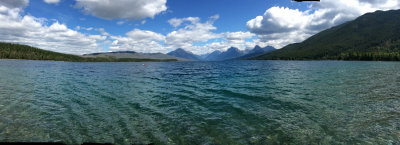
(372, 36)
(18, 51)
(256, 51)
(181, 53)
(234, 53)
(231, 53)
(213, 56)
(134, 55)
(203, 56)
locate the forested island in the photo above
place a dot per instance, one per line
(18, 51)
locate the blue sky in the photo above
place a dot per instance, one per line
(199, 26)
(233, 14)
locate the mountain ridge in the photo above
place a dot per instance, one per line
(134, 55)
(231, 53)
(25, 52)
(234, 53)
(181, 53)
(372, 36)
(256, 51)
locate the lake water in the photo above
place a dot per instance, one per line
(237, 102)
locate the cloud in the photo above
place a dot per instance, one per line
(14, 3)
(122, 9)
(238, 39)
(139, 35)
(278, 20)
(175, 22)
(140, 41)
(238, 35)
(52, 1)
(215, 17)
(84, 28)
(192, 32)
(280, 26)
(89, 29)
(102, 31)
(33, 31)
(120, 22)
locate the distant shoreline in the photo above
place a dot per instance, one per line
(25, 52)
(153, 60)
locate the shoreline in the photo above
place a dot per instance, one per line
(155, 60)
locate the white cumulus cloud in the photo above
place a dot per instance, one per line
(238, 40)
(52, 1)
(138, 34)
(14, 3)
(177, 22)
(122, 9)
(238, 35)
(194, 31)
(139, 41)
(35, 32)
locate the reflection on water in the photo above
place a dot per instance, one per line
(238, 102)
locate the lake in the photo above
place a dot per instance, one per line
(233, 102)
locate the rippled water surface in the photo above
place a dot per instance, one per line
(238, 102)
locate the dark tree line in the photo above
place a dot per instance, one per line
(18, 51)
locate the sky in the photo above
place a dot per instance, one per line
(152, 26)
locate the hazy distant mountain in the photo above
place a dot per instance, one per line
(372, 36)
(234, 53)
(231, 53)
(132, 54)
(256, 51)
(213, 56)
(181, 53)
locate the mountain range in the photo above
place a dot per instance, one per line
(18, 51)
(257, 51)
(372, 36)
(212, 56)
(181, 53)
(231, 54)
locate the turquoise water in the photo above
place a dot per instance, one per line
(238, 102)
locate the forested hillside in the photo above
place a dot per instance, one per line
(373, 36)
(18, 51)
